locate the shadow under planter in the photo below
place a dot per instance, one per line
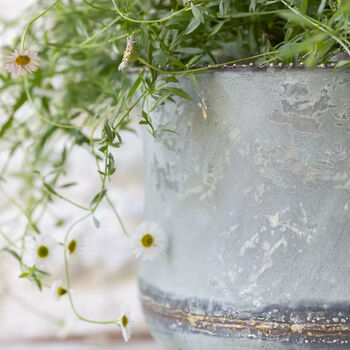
(253, 192)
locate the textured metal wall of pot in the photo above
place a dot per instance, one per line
(253, 192)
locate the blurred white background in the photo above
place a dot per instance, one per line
(105, 277)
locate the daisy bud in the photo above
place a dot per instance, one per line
(75, 245)
(57, 290)
(125, 325)
(130, 55)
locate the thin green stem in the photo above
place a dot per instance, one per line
(100, 32)
(34, 20)
(98, 167)
(318, 26)
(92, 147)
(68, 282)
(118, 216)
(207, 67)
(252, 14)
(8, 240)
(35, 310)
(111, 40)
(48, 121)
(11, 200)
(151, 20)
(54, 192)
(97, 7)
(129, 110)
(103, 180)
(69, 201)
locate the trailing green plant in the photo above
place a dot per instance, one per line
(79, 98)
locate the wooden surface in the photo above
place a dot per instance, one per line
(82, 345)
(92, 341)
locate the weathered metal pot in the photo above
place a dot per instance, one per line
(253, 193)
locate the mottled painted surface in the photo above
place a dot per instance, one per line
(253, 192)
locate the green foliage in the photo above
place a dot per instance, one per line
(35, 275)
(81, 99)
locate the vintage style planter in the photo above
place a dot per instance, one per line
(254, 195)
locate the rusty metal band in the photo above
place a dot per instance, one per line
(305, 324)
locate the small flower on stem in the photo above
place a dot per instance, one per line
(21, 62)
(57, 290)
(130, 55)
(75, 244)
(149, 240)
(125, 325)
(43, 250)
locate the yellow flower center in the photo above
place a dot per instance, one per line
(72, 246)
(43, 251)
(59, 223)
(22, 60)
(125, 321)
(61, 291)
(147, 240)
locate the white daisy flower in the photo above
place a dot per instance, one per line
(21, 62)
(130, 54)
(57, 290)
(125, 324)
(149, 240)
(43, 250)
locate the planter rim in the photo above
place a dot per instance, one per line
(272, 67)
(258, 68)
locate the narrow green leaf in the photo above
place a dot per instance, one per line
(6, 125)
(108, 132)
(189, 50)
(68, 184)
(24, 275)
(171, 79)
(194, 59)
(252, 5)
(216, 28)
(37, 281)
(321, 7)
(19, 103)
(13, 253)
(194, 80)
(179, 92)
(35, 228)
(119, 137)
(44, 273)
(96, 222)
(135, 85)
(176, 62)
(50, 189)
(193, 25)
(343, 64)
(110, 164)
(160, 100)
(97, 197)
(304, 6)
(196, 13)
